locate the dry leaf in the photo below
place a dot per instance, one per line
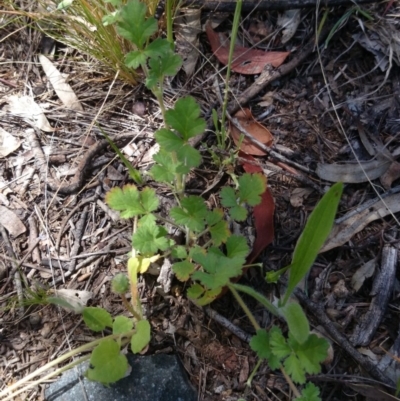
(289, 21)
(11, 222)
(8, 143)
(29, 110)
(71, 300)
(364, 272)
(245, 60)
(255, 129)
(353, 172)
(298, 195)
(63, 90)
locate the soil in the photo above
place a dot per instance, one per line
(318, 113)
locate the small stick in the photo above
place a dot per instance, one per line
(78, 234)
(223, 321)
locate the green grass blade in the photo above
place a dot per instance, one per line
(315, 233)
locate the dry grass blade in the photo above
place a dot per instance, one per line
(80, 26)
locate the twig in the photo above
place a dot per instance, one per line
(33, 239)
(78, 234)
(223, 321)
(268, 5)
(19, 263)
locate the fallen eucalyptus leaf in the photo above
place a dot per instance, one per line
(353, 172)
(63, 90)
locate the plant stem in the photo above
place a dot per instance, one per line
(235, 28)
(129, 307)
(290, 382)
(170, 37)
(254, 371)
(245, 308)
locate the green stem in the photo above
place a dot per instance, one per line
(235, 28)
(254, 371)
(245, 308)
(170, 37)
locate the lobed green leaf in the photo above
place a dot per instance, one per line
(133, 24)
(107, 363)
(251, 187)
(259, 343)
(191, 213)
(184, 118)
(130, 202)
(220, 232)
(149, 238)
(165, 169)
(183, 270)
(228, 197)
(309, 393)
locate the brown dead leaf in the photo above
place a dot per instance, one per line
(245, 60)
(255, 129)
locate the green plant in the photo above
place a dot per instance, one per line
(300, 352)
(199, 256)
